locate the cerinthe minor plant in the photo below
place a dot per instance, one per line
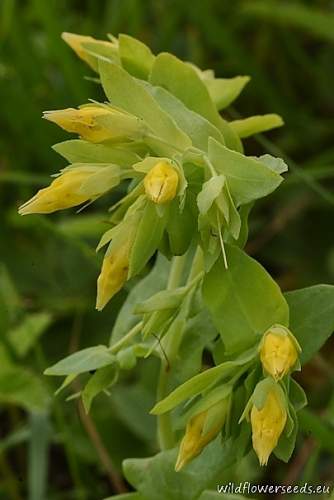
(190, 192)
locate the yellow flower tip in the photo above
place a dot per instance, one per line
(200, 430)
(192, 442)
(161, 183)
(267, 426)
(62, 193)
(278, 352)
(75, 41)
(82, 121)
(113, 275)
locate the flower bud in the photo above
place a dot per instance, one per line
(113, 274)
(76, 43)
(85, 122)
(63, 192)
(200, 430)
(268, 423)
(278, 351)
(161, 183)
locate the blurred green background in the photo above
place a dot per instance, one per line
(48, 266)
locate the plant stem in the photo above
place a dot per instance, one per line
(197, 265)
(115, 479)
(73, 465)
(176, 271)
(165, 431)
(124, 340)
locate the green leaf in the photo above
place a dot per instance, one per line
(79, 151)
(21, 387)
(244, 300)
(297, 395)
(286, 443)
(132, 403)
(106, 178)
(127, 496)
(66, 382)
(200, 382)
(183, 81)
(198, 334)
(25, 335)
(98, 382)
(255, 124)
(223, 91)
(148, 237)
(165, 299)
(155, 477)
(82, 361)
(311, 317)
(156, 280)
(210, 191)
(198, 128)
(98, 51)
(276, 164)
(135, 56)
(213, 495)
(124, 91)
(248, 179)
(181, 225)
(243, 235)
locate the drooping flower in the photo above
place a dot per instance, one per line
(268, 423)
(278, 351)
(114, 273)
(87, 122)
(161, 182)
(200, 430)
(74, 186)
(63, 192)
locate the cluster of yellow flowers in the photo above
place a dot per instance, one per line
(278, 354)
(80, 184)
(223, 185)
(268, 413)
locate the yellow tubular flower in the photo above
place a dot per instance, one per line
(113, 274)
(63, 192)
(161, 183)
(82, 121)
(267, 425)
(200, 430)
(278, 352)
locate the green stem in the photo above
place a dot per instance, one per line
(124, 340)
(165, 430)
(197, 265)
(176, 271)
(166, 436)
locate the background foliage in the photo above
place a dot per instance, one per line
(48, 266)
